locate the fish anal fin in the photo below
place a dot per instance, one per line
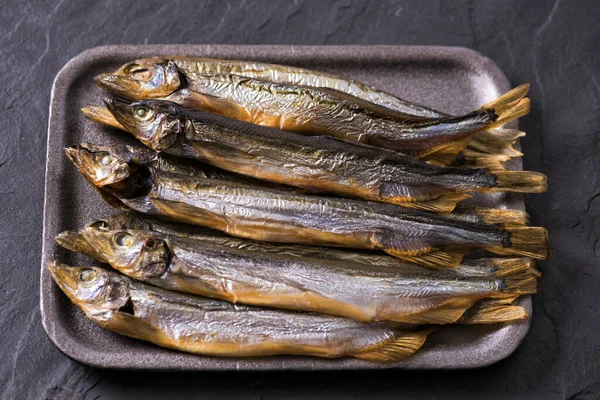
(445, 154)
(428, 198)
(402, 346)
(493, 314)
(436, 259)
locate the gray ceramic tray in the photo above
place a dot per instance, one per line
(454, 80)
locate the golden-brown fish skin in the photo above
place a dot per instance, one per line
(314, 163)
(484, 267)
(352, 290)
(191, 66)
(216, 328)
(284, 216)
(311, 110)
(488, 148)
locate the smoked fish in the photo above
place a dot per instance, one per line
(216, 328)
(310, 162)
(347, 289)
(313, 110)
(275, 215)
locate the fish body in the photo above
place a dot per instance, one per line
(484, 267)
(287, 217)
(216, 328)
(192, 66)
(312, 163)
(313, 111)
(348, 289)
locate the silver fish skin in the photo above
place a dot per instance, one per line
(191, 66)
(437, 240)
(480, 267)
(311, 110)
(313, 163)
(352, 290)
(216, 328)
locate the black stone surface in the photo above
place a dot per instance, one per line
(553, 45)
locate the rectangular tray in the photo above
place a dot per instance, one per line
(450, 79)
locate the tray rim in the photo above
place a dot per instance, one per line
(72, 348)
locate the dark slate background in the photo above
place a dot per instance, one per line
(553, 45)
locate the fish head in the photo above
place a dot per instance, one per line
(157, 124)
(150, 78)
(101, 165)
(139, 254)
(97, 291)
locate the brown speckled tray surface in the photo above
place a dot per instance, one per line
(450, 79)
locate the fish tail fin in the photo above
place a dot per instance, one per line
(491, 148)
(487, 143)
(400, 347)
(520, 181)
(514, 266)
(525, 241)
(524, 283)
(501, 217)
(485, 312)
(510, 106)
(476, 159)
(499, 135)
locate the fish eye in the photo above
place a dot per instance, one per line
(106, 160)
(136, 71)
(134, 68)
(123, 239)
(143, 113)
(100, 224)
(87, 275)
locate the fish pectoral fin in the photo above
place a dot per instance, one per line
(126, 323)
(445, 154)
(428, 198)
(112, 200)
(402, 346)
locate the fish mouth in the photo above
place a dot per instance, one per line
(120, 85)
(83, 159)
(117, 107)
(101, 115)
(79, 242)
(120, 111)
(64, 276)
